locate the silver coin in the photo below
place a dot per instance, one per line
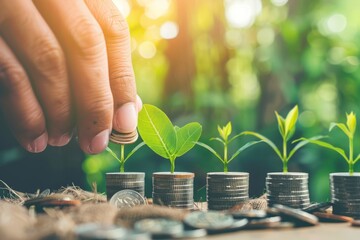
(228, 174)
(159, 226)
(288, 174)
(94, 231)
(187, 234)
(209, 220)
(296, 214)
(226, 198)
(268, 222)
(175, 175)
(127, 199)
(249, 214)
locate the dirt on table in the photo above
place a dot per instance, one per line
(19, 222)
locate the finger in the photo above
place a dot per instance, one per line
(85, 49)
(19, 104)
(36, 47)
(122, 79)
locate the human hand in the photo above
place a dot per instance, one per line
(64, 64)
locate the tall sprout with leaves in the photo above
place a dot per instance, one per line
(349, 130)
(122, 159)
(287, 128)
(225, 133)
(165, 139)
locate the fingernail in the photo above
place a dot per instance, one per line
(99, 142)
(61, 141)
(139, 103)
(125, 119)
(39, 144)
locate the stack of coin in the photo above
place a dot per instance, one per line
(225, 190)
(290, 189)
(173, 189)
(124, 180)
(123, 138)
(345, 194)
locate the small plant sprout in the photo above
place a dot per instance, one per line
(225, 133)
(165, 139)
(122, 159)
(349, 130)
(287, 129)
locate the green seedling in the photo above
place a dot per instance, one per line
(225, 133)
(349, 130)
(287, 129)
(122, 159)
(165, 139)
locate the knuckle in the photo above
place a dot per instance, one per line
(87, 36)
(99, 108)
(11, 79)
(116, 26)
(31, 124)
(49, 58)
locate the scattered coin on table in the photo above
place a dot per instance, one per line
(210, 220)
(95, 231)
(329, 217)
(249, 214)
(317, 207)
(127, 198)
(53, 200)
(159, 227)
(299, 217)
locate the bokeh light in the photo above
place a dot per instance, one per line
(147, 49)
(169, 30)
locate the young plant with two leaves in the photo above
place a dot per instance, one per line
(224, 139)
(165, 139)
(122, 159)
(287, 128)
(349, 130)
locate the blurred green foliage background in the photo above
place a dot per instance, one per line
(240, 60)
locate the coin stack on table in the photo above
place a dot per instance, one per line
(173, 189)
(128, 180)
(345, 194)
(290, 189)
(225, 190)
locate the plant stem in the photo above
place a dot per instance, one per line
(284, 160)
(122, 158)
(225, 157)
(172, 162)
(351, 156)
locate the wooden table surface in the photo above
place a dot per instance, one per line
(324, 231)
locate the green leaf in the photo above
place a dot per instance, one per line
(234, 137)
(247, 145)
(112, 153)
(329, 146)
(228, 130)
(187, 136)
(217, 139)
(266, 140)
(134, 150)
(351, 122)
(221, 132)
(281, 124)
(210, 149)
(290, 121)
(341, 126)
(157, 131)
(301, 143)
(357, 158)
